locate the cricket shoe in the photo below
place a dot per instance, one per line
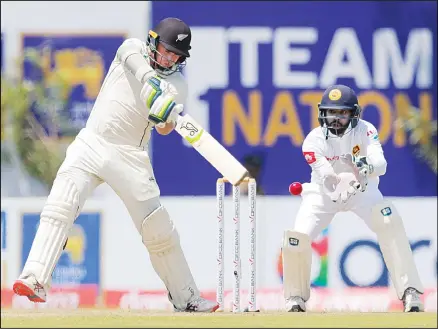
(200, 305)
(412, 301)
(295, 304)
(29, 287)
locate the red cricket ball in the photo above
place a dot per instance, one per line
(295, 188)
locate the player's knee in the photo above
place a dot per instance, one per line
(63, 201)
(158, 232)
(308, 227)
(385, 218)
(296, 241)
(141, 211)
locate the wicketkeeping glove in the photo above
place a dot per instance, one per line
(364, 167)
(340, 188)
(361, 168)
(349, 192)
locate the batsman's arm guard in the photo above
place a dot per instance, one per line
(132, 56)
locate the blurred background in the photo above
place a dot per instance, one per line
(256, 73)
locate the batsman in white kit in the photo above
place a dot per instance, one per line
(142, 91)
(347, 160)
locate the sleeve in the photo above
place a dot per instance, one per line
(374, 151)
(131, 55)
(314, 156)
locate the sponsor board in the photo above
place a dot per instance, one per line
(255, 82)
(80, 261)
(344, 256)
(82, 60)
(4, 249)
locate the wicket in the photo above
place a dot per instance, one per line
(220, 195)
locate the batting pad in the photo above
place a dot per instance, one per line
(297, 261)
(162, 241)
(395, 247)
(56, 220)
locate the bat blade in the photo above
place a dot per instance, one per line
(209, 148)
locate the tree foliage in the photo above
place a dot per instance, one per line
(33, 116)
(422, 134)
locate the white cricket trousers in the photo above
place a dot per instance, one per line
(317, 210)
(91, 160)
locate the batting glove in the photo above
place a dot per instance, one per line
(160, 99)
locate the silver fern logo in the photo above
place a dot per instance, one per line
(181, 37)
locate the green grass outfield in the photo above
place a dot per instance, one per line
(146, 319)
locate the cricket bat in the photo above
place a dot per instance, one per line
(210, 149)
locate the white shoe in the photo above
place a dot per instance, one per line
(295, 304)
(200, 305)
(31, 288)
(412, 301)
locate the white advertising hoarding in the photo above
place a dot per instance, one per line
(345, 255)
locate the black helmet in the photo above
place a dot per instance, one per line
(338, 97)
(175, 36)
